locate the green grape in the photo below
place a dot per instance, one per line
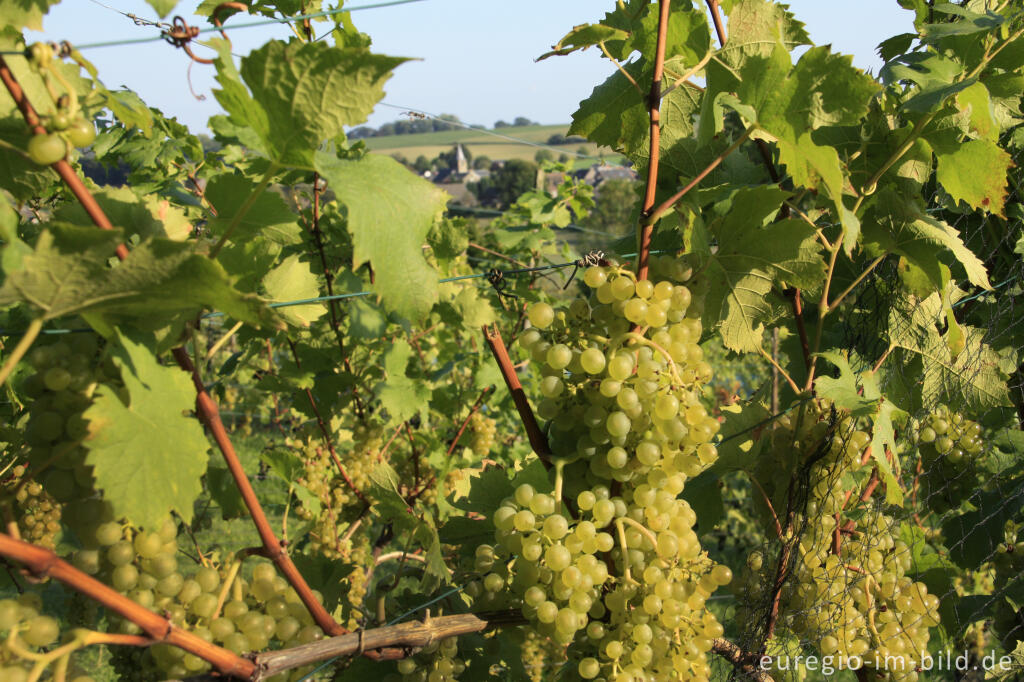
(541, 315)
(559, 356)
(595, 276)
(125, 577)
(208, 579)
(204, 605)
(120, 553)
(41, 631)
(592, 360)
(147, 545)
(10, 614)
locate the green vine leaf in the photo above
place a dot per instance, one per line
(292, 280)
(19, 14)
(901, 226)
(69, 273)
(269, 217)
(390, 213)
(973, 378)
(298, 95)
(582, 37)
(162, 7)
(401, 396)
(749, 258)
(148, 455)
(861, 397)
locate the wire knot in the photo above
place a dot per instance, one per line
(595, 257)
(497, 279)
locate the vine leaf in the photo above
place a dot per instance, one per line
(390, 213)
(584, 36)
(148, 215)
(401, 396)
(863, 399)
(790, 102)
(975, 172)
(972, 379)
(162, 7)
(292, 280)
(298, 95)
(68, 273)
(900, 226)
(146, 454)
(269, 217)
(19, 14)
(749, 258)
(615, 115)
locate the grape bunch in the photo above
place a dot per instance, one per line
(482, 430)
(436, 662)
(608, 563)
(854, 602)
(218, 605)
(321, 477)
(950, 446)
(37, 512)
(23, 629)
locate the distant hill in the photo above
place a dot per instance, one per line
(479, 143)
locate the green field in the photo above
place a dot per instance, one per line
(480, 143)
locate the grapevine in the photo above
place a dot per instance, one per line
(252, 430)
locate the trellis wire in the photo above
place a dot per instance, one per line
(213, 29)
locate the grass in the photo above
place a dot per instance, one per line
(480, 143)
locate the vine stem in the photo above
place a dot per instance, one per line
(465, 422)
(860, 278)
(618, 65)
(62, 167)
(664, 207)
(538, 441)
(44, 563)
(779, 369)
(26, 341)
(646, 227)
(744, 662)
(716, 18)
(208, 412)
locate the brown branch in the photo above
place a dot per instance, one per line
(476, 406)
(716, 17)
(395, 641)
(746, 664)
(62, 167)
(44, 563)
(326, 433)
(538, 441)
(210, 415)
(653, 216)
(646, 228)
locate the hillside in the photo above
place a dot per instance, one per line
(481, 143)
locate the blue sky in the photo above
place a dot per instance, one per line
(475, 57)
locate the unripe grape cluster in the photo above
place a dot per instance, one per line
(37, 512)
(950, 448)
(858, 602)
(321, 477)
(241, 616)
(25, 630)
(609, 563)
(482, 430)
(436, 662)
